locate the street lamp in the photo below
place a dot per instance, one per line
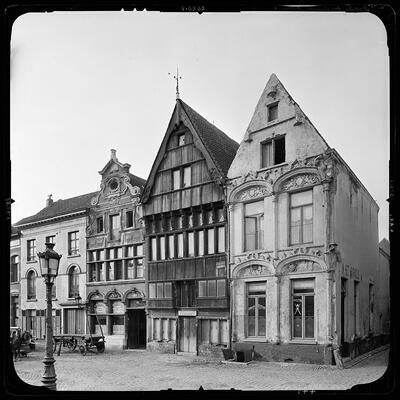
(49, 262)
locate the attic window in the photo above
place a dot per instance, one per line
(181, 139)
(273, 152)
(273, 112)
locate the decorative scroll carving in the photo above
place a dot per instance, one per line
(114, 294)
(300, 250)
(256, 270)
(253, 192)
(299, 181)
(217, 177)
(301, 266)
(255, 256)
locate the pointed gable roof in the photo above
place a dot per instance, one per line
(220, 146)
(260, 115)
(218, 149)
(59, 208)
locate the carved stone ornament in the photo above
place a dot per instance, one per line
(300, 181)
(114, 294)
(253, 192)
(326, 166)
(301, 266)
(299, 116)
(256, 270)
(217, 177)
(255, 256)
(300, 250)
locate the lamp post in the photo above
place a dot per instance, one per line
(49, 262)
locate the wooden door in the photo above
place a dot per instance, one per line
(136, 329)
(187, 334)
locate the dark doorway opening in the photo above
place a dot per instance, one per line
(136, 329)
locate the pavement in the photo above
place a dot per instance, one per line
(142, 370)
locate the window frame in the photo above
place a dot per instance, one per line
(271, 140)
(178, 183)
(31, 285)
(256, 298)
(129, 218)
(14, 268)
(274, 105)
(290, 208)
(303, 295)
(30, 250)
(73, 250)
(260, 232)
(98, 219)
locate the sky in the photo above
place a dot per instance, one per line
(83, 83)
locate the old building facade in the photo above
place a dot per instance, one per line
(185, 218)
(62, 222)
(15, 273)
(303, 240)
(115, 272)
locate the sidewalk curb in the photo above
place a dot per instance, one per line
(362, 357)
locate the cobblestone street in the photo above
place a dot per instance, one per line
(143, 370)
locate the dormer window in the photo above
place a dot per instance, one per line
(273, 152)
(273, 112)
(181, 139)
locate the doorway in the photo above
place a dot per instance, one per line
(187, 334)
(136, 329)
(344, 345)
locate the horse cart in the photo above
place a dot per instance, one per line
(84, 343)
(21, 342)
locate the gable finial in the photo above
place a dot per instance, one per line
(113, 154)
(176, 77)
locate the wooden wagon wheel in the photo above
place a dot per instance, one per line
(100, 347)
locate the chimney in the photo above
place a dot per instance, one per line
(49, 201)
(113, 154)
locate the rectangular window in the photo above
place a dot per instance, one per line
(129, 219)
(153, 246)
(162, 247)
(118, 270)
(73, 243)
(179, 238)
(171, 249)
(221, 239)
(152, 290)
(212, 288)
(31, 249)
(256, 309)
(303, 308)
(176, 179)
(139, 250)
(129, 251)
(99, 224)
(115, 226)
(139, 267)
(254, 225)
(301, 217)
(220, 269)
(50, 239)
(187, 177)
(181, 139)
(190, 244)
(168, 290)
(200, 241)
(273, 152)
(210, 241)
(272, 112)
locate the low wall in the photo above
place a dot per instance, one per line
(163, 347)
(288, 352)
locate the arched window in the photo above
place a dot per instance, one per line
(14, 268)
(73, 281)
(31, 278)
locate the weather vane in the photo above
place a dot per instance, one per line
(176, 77)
